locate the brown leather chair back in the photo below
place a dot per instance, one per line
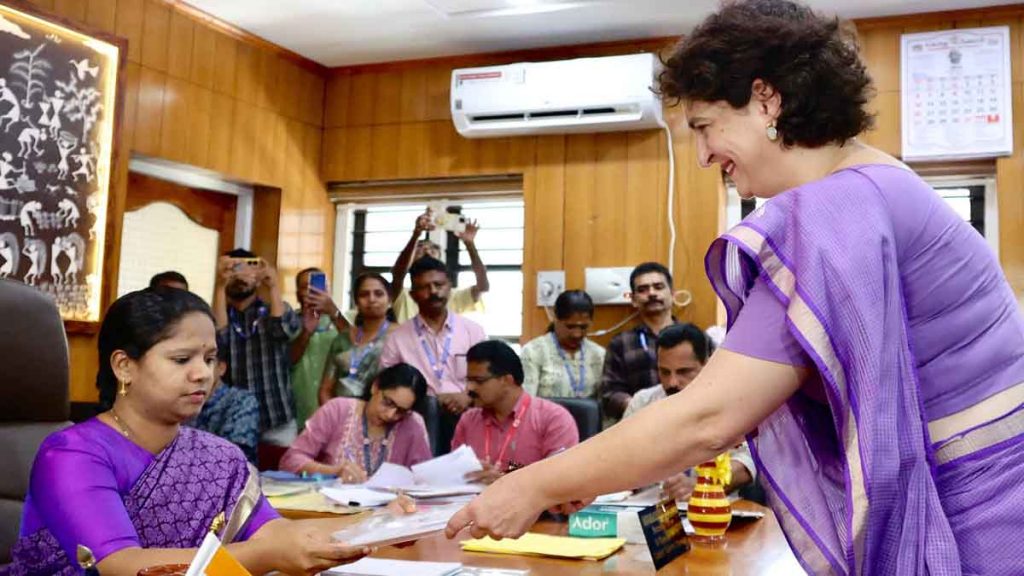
(33, 393)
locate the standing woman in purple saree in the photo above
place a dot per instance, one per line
(875, 353)
(138, 489)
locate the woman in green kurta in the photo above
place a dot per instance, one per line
(354, 359)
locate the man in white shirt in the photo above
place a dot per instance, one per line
(682, 351)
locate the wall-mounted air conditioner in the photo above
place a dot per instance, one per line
(606, 94)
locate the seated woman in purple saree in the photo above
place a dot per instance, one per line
(875, 354)
(92, 486)
(133, 488)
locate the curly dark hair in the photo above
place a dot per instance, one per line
(810, 60)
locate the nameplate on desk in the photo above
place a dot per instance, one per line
(663, 529)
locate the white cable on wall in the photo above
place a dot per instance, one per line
(671, 199)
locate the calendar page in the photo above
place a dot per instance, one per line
(956, 100)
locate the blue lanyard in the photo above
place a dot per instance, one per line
(577, 387)
(436, 365)
(369, 467)
(359, 354)
(261, 311)
(643, 343)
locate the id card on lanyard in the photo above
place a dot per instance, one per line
(576, 385)
(509, 435)
(645, 345)
(437, 365)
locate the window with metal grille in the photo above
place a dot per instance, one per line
(380, 232)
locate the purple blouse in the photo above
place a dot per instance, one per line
(79, 479)
(956, 303)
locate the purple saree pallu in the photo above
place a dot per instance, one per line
(861, 479)
(172, 505)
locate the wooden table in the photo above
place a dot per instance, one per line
(751, 548)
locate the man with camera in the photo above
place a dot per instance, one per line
(255, 325)
(321, 322)
(461, 300)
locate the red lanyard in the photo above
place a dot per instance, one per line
(508, 435)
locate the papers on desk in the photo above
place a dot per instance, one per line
(441, 476)
(545, 545)
(644, 498)
(385, 567)
(384, 528)
(272, 489)
(310, 502)
(357, 496)
(448, 470)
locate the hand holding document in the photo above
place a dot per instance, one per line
(385, 528)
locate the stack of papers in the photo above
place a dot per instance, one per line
(646, 497)
(357, 496)
(441, 476)
(384, 528)
(545, 545)
(384, 567)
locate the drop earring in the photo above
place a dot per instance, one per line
(122, 388)
(772, 132)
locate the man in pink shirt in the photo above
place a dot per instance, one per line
(436, 340)
(507, 427)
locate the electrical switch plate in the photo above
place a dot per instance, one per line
(550, 283)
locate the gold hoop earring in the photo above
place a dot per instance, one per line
(772, 132)
(122, 388)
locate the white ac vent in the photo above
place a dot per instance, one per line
(584, 95)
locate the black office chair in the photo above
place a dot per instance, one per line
(585, 411)
(34, 386)
(440, 425)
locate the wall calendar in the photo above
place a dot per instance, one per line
(956, 94)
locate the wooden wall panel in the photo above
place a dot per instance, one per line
(225, 50)
(101, 14)
(128, 25)
(175, 120)
(203, 55)
(201, 95)
(148, 118)
(71, 9)
(156, 28)
(602, 199)
(180, 41)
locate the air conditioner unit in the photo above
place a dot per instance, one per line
(606, 94)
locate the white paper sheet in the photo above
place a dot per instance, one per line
(357, 496)
(448, 470)
(385, 567)
(390, 476)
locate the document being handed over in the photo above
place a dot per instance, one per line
(442, 476)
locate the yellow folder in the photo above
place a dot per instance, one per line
(224, 564)
(546, 545)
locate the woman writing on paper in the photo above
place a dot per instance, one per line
(874, 343)
(354, 359)
(351, 438)
(134, 486)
